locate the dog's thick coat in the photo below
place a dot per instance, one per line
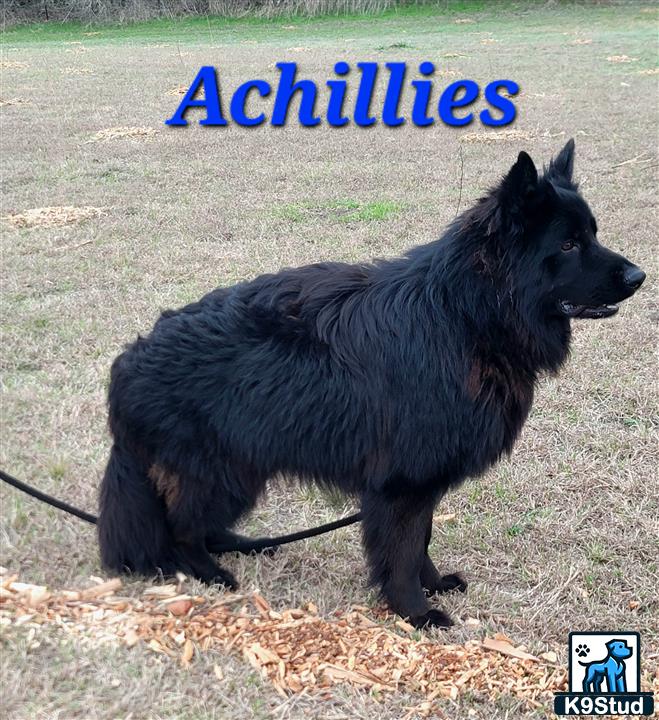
(393, 381)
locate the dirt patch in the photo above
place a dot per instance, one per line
(297, 650)
(650, 71)
(488, 138)
(119, 133)
(52, 216)
(582, 41)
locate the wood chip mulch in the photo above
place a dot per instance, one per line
(621, 59)
(13, 65)
(297, 650)
(13, 101)
(119, 133)
(52, 216)
(487, 138)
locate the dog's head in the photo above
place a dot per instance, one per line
(554, 237)
(618, 649)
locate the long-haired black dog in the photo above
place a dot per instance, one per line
(392, 381)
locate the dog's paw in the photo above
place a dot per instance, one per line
(582, 650)
(433, 618)
(225, 579)
(448, 583)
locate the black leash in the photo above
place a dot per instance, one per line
(47, 498)
(241, 546)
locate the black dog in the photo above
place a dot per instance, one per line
(393, 381)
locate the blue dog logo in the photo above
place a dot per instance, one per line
(608, 685)
(612, 669)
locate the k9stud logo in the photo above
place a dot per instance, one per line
(604, 673)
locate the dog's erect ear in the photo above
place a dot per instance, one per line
(561, 167)
(515, 196)
(519, 184)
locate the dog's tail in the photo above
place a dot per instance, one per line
(132, 526)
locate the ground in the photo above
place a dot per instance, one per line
(562, 536)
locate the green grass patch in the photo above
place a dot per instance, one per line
(374, 211)
(347, 211)
(289, 28)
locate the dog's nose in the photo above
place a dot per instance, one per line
(633, 277)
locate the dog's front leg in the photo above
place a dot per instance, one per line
(394, 533)
(431, 580)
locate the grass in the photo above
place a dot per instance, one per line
(560, 537)
(345, 211)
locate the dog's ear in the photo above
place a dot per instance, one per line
(517, 190)
(521, 180)
(519, 199)
(561, 167)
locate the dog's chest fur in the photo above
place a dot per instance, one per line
(500, 396)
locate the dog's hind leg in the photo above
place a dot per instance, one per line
(187, 520)
(231, 500)
(394, 531)
(431, 580)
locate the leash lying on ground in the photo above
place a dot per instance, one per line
(247, 545)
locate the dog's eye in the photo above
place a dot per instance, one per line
(568, 245)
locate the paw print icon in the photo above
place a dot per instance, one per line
(582, 650)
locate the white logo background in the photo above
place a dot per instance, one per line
(597, 651)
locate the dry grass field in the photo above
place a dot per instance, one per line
(109, 216)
